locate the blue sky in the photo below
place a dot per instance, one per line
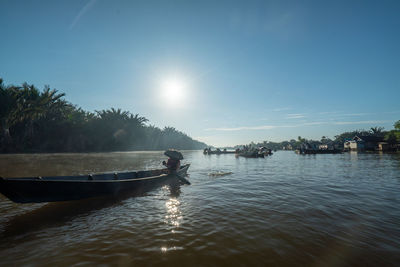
(247, 70)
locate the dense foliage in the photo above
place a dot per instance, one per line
(43, 121)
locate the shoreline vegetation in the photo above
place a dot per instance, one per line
(392, 137)
(34, 121)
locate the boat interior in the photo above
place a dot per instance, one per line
(101, 177)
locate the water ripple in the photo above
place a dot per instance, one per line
(286, 209)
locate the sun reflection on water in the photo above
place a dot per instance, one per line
(165, 249)
(172, 219)
(174, 215)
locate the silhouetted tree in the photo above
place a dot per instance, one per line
(393, 136)
(377, 131)
(34, 120)
(8, 110)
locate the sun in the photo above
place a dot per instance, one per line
(173, 91)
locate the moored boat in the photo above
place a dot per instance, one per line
(260, 152)
(65, 188)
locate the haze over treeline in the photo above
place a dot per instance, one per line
(32, 120)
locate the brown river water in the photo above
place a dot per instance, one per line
(284, 210)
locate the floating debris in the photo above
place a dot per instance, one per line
(219, 173)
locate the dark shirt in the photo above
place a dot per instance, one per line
(173, 164)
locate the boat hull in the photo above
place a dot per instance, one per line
(50, 189)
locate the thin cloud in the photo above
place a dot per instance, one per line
(316, 123)
(82, 12)
(328, 112)
(358, 122)
(342, 122)
(295, 116)
(243, 128)
(391, 112)
(356, 114)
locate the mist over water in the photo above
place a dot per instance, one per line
(286, 209)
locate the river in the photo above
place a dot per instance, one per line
(282, 210)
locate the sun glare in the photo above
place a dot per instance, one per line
(173, 91)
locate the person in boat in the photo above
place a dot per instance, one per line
(174, 160)
(172, 164)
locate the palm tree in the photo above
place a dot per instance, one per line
(119, 129)
(376, 131)
(138, 120)
(393, 136)
(51, 101)
(323, 139)
(35, 107)
(397, 125)
(8, 108)
(113, 114)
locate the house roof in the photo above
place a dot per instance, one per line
(368, 138)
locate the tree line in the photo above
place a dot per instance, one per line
(392, 137)
(33, 120)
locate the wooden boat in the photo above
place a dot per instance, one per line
(265, 151)
(65, 188)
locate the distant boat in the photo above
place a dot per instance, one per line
(318, 151)
(254, 153)
(217, 152)
(65, 188)
(265, 151)
(250, 154)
